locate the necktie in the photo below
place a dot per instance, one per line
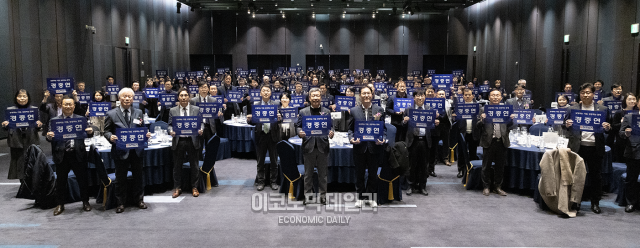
(126, 116)
(496, 131)
(68, 145)
(184, 111)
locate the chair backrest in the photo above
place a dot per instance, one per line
(211, 153)
(96, 159)
(391, 133)
(161, 124)
(288, 159)
(537, 129)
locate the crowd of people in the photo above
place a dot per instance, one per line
(375, 100)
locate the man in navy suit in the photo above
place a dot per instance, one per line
(69, 155)
(126, 116)
(366, 154)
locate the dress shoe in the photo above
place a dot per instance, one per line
(501, 192)
(373, 204)
(433, 174)
(323, 201)
(596, 208)
(195, 192)
(358, 204)
(447, 162)
(141, 205)
(260, 187)
(629, 208)
(459, 174)
(409, 191)
(274, 186)
(486, 191)
(176, 193)
(120, 209)
(424, 192)
(58, 210)
(86, 206)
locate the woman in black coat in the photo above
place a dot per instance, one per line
(20, 139)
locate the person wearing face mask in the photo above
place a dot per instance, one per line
(20, 138)
(396, 117)
(632, 157)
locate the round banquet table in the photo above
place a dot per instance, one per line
(340, 169)
(523, 166)
(240, 136)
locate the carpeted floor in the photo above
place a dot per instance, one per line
(223, 217)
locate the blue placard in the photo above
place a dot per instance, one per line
(410, 91)
(436, 103)
(199, 73)
(368, 130)
(316, 125)
(320, 68)
(71, 128)
(227, 69)
(442, 82)
(151, 92)
(346, 71)
(275, 95)
(333, 84)
(344, 103)
(138, 97)
(220, 70)
(523, 116)
(99, 108)
(366, 71)
(84, 98)
(555, 116)
(325, 103)
(597, 96)
(380, 72)
(234, 96)
(417, 72)
(264, 114)
(161, 73)
(112, 90)
(289, 115)
(343, 88)
(244, 73)
(193, 89)
(392, 91)
(267, 72)
(569, 96)
(253, 71)
(168, 100)
(457, 72)
(526, 98)
(297, 101)
(467, 111)
(192, 74)
(20, 118)
(587, 120)
(376, 102)
(216, 83)
(498, 113)
(186, 125)
(613, 106)
(400, 104)
(409, 84)
(310, 68)
(209, 109)
(206, 68)
(380, 87)
(331, 72)
(431, 71)
(419, 118)
(131, 138)
(635, 124)
(60, 85)
(180, 75)
(485, 88)
(255, 94)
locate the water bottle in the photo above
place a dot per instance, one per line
(233, 118)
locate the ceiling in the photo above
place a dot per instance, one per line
(327, 6)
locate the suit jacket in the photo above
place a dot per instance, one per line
(562, 180)
(309, 142)
(164, 111)
(410, 130)
(357, 114)
(211, 121)
(632, 143)
(396, 119)
(57, 146)
(514, 102)
(575, 135)
(274, 130)
(462, 124)
(23, 137)
(487, 133)
(115, 119)
(232, 107)
(193, 111)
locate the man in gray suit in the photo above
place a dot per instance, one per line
(267, 136)
(181, 144)
(126, 116)
(519, 102)
(209, 123)
(589, 145)
(315, 148)
(494, 139)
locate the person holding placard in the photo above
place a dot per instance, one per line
(50, 110)
(562, 102)
(69, 154)
(20, 137)
(182, 144)
(315, 147)
(267, 135)
(445, 126)
(98, 121)
(518, 101)
(125, 116)
(287, 127)
(494, 141)
(599, 90)
(630, 133)
(164, 111)
(589, 145)
(470, 134)
(231, 108)
(367, 155)
(397, 116)
(419, 142)
(110, 81)
(210, 126)
(142, 100)
(617, 144)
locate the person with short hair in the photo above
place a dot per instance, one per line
(632, 157)
(20, 138)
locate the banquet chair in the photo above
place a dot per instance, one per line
(538, 128)
(107, 195)
(293, 173)
(207, 174)
(161, 124)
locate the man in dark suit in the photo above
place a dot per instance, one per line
(444, 128)
(367, 155)
(110, 81)
(181, 144)
(396, 117)
(315, 148)
(589, 145)
(632, 156)
(126, 116)
(50, 110)
(495, 141)
(471, 135)
(69, 155)
(209, 123)
(419, 141)
(232, 108)
(518, 102)
(267, 136)
(164, 111)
